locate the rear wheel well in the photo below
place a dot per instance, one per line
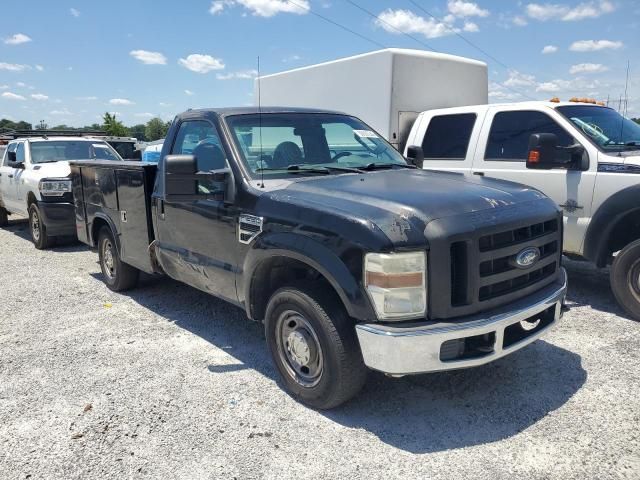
(278, 272)
(625, 231)
(98, 223)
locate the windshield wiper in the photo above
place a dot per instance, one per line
(309, 169)
(385, 166)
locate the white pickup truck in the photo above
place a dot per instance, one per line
(589, 165)
(34, 182)
(420, 102)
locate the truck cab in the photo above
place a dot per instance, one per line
(34, 182)
(593, 175)
(314, 225)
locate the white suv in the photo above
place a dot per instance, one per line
(585, 157)
(34, 182)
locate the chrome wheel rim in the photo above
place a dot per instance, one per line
(35, 225)
(108, 262)
(299, 348)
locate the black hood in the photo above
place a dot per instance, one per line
(400, 203)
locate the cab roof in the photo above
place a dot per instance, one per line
(254, 110)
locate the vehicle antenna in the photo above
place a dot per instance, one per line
(623, 113)
(260, 127)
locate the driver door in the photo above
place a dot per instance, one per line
(198, 239)
(502, 152)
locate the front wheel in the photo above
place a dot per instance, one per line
(625, 279)
(41, 239)
(117, 275)
(314, 346)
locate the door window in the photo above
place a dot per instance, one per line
(510, 131)
(10, 148)
(448, 136)
(200, 139)
(20, 153)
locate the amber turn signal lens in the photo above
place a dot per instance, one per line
(534, 156)
(394, 280)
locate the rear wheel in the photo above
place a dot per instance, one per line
(314, 346)
(4, 217)
(625, 279)
(38, 229)
(117, 275)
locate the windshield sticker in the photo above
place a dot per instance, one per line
(365, 134)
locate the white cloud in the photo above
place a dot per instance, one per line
(21, 84)
(594, 45)
(40, 68)
(17, 39)
(12, 96)
(291, 58)
(164, 104)
(242, 75)
(262, 8)
(557, 85)
(39, 96)
(460, 8)
(74, 12)
(87, 99)
(500, 93)
(395, 21)
(548, 49)
(470, 27)
(189, 92)
(144, 115)
(587, 68)
(200, 63)
(4, 87)
(60, 112)
(120, 101)
(149, 58)
(520, 21)
(554, 11)
(13, 67)
(517, 79)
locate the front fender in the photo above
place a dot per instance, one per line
(112, 226)
(614, 209)
(309, 251)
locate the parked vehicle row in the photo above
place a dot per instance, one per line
(354, 256)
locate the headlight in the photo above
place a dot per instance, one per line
(396, 283)
(55, 187)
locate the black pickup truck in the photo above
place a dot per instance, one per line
(352, 257)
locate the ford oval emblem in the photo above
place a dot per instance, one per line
(528, 257)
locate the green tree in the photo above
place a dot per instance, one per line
(637, 120)
(156, 129)
(114, 127)
(139, 131)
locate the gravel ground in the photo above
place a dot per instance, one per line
(168, 382)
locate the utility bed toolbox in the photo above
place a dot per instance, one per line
(118, 194)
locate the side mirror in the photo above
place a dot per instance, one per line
(415, 155)
(184, 183)
(180, 175)
(544, 153)
(13, 162)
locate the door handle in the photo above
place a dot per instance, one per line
(162, 209)
(11, 175)
(480, 174)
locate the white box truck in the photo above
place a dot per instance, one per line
(417, 80)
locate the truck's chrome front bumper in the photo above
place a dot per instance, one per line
(434, 346)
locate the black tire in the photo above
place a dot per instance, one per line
(118, 275)
(335, 370)
(38, 229)
(4, 217)
(625, 279)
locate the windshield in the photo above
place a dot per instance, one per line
(64, 150)
(279, 145)
(604, 126)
